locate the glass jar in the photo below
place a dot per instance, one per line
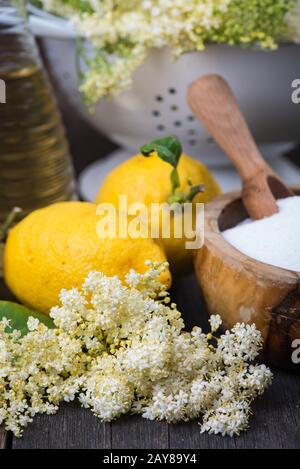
(35, 163)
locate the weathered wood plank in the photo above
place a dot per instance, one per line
(71, 428)
(134, 432)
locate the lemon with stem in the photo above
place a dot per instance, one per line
(162, 174)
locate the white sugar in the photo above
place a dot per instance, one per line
(274, 240)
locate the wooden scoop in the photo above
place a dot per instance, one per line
(213, 102)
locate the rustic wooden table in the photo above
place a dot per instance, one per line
(276, 419)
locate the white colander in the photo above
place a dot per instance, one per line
(156, 103)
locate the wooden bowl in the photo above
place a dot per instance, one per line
(242, 289)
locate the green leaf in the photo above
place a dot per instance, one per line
(169, 149)
(19, 315)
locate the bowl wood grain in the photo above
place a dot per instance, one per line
(242, 289)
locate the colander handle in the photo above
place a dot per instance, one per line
(44, 27)
(43, 24)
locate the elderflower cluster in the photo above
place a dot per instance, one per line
(122, 348)
(123, 33)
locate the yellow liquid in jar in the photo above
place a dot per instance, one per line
(35, 165)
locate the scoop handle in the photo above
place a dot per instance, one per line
(214, 104)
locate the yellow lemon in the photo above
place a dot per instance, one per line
(147, 180)
(55, 247)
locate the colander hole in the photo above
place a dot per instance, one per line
(191, 132)
(155, 113)
(160, 127)
(177, 123)
(172, 90)
(159, 98)
(192, 142)
(191, 118)
(174, 108)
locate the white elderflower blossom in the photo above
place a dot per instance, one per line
(108, 396)
(243, 342)
(229, 418)
(122, 348)
(122, 33)
(215, 322)
(32, 323)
